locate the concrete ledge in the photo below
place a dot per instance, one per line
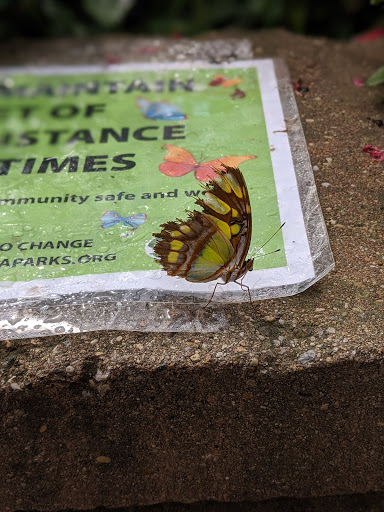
(372, 502)
(287, 402)
(83, 435)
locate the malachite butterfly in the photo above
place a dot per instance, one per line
(213, 243)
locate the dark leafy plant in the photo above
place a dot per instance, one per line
(56, 18)
(378, 76)
(108, 13)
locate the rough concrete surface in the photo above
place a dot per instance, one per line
(372, 502)
(288, 402)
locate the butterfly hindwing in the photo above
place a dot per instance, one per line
(179, 161)
(110, 219)
(143, 105)
(206, 171)
(195, 249)
(134, 221)
(159, 110)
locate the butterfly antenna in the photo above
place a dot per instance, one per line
(270, 238)
(201, 158)
(267, 253)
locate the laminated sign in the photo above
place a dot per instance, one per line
(153, 183)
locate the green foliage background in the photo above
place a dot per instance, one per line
(54, 18)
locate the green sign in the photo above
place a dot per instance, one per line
(92, 162)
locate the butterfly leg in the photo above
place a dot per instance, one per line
(242, 285)
(213, 293)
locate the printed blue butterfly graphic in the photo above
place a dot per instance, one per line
(160, 110)
(132, 222)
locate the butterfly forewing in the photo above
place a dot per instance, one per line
(134, 221)
(227, 200)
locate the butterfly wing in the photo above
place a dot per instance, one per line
(110, 219)
(178, 161)
(164, 111)
(226, 201)
(134, 221)
(196, 249)
(217, 80)
(159, 110)
(143, 105)
(230, 82)
(206, 172)
(212, 243)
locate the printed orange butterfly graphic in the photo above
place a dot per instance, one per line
(224, 82)
(212, 243)
(179, 161)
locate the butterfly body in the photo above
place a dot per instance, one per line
(132, 222)
(213, 243)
